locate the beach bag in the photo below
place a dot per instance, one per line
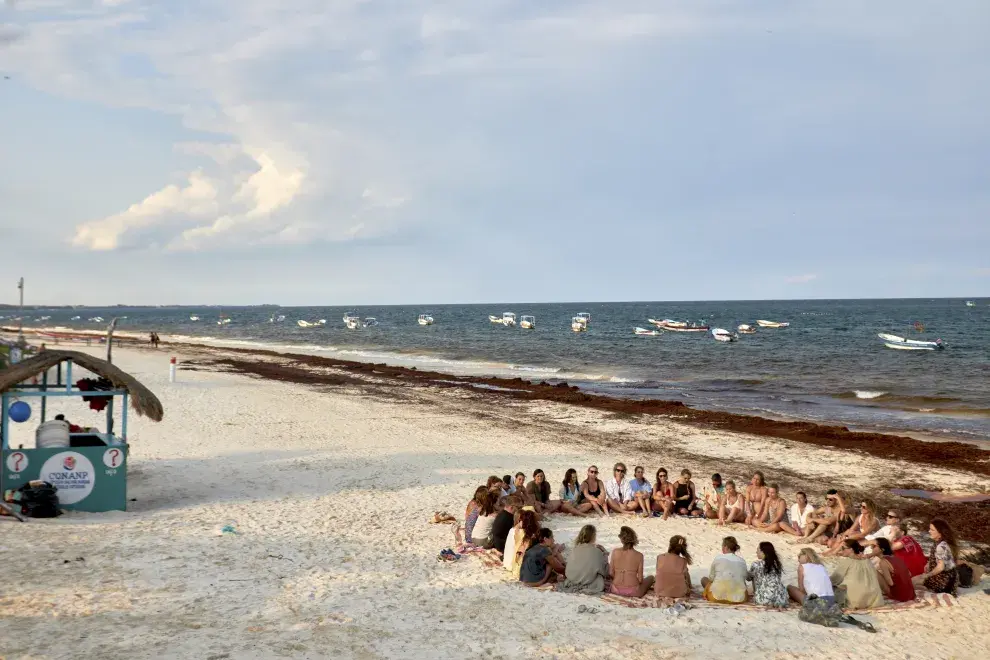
(38, 499)
(965, 574)
(815, 610)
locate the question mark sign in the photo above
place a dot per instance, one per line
(18, 459)
(113, 457)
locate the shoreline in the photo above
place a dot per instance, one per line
(970, 519)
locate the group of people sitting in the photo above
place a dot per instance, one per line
(874, 560)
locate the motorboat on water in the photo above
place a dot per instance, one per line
(746, 329)
(684, 327)
(579, 324)
(900, 343)
(352, 323)
(191, 318)
(276, 318)
(508, 319)
(771, 324)
(584, 316)
(643, 332)
(306, 324)
(723, 335)
(97, 319)
(370, 322)
(527, 322)
(425, 319)
(74, 318)
(970, 303)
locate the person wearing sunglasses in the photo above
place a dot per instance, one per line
(593, 491)
(865, 523)
(663, 495)
(618, 492)
(890, 521)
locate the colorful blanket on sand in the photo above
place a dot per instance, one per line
(493, 559)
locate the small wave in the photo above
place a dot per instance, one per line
(869, 394)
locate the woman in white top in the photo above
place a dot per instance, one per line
(799, 514)
(813, 579)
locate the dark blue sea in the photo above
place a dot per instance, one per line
(828, 366)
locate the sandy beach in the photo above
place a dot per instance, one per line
(330, 485)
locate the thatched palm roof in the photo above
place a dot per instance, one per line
(143, 401)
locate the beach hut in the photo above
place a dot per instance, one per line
(89, 466)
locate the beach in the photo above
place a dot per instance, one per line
(329, 477)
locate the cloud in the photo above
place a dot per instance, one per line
(197, 199)
(800, 279)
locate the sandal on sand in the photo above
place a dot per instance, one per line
(862, 625)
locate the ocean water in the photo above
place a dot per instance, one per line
(828, 366)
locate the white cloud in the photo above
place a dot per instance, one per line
(198, 199)
(800, 279)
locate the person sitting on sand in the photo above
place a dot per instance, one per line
(732, 508)
(890, 522)
(799, 515)
(663, 494)
(895, 578)
(856, 582)
(813, 579)
(940, 574)
(756, 492)
(642, 491)
(711, 496)
(519, 488)
(618, 492)
(823, 520)
(726, 581)
(673, 580)
(473, 510)
(542, 562)
(587, 565)
(508, 488)
(523, 537)
(686, 496)
(626, 567)
(593, 491)
(570, 495)
(480, 531)
(503, 524)
(539, 490)
(765, 573)
(865, 523)
(771, 520)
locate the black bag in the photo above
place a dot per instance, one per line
(38, 499)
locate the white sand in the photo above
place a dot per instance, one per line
(331, 491)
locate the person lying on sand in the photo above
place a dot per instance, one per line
(539, 490)
(541, 563)
(711, 496)
(570, 496)
(726, 581)
(756, 492)
(642, 491)
(618, 493)
(800, 513)
(686, 496)
(626, 567)
(663, 494)
(732, 506)
(865, 523)
(774, 509)
(593, 491)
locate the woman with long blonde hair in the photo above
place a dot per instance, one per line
(813, 579)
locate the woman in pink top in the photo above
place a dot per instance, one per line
(673, 579)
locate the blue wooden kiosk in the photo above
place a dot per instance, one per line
(90, 473)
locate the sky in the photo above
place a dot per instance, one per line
(347, 152)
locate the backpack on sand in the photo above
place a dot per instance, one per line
(816, 610)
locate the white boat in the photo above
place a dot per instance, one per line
(370, 321)
(508, 319)
(305, 324)
(578, 324)
(527, 322)
(746, 329)
(224, 320)
(657, 323)
(721, 334)
(894, 341)
(74, 318)
(495, 319)
(970, 303)
(191, 318)
(425, 319)
(646, 333)
(350, 315)
(352, 321)
(670, 323)
(771, 324)
(684, 327)
(276, 319)
(585, 317)
(97, 319)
